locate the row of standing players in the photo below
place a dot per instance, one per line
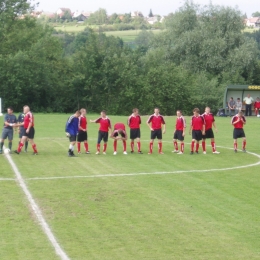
(25, 124)
(200, 129)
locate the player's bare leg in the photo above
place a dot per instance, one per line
(71, 149)
(115, 146)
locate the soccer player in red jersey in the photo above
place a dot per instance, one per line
(155, 122)
(29, 131)
(83, 134)
(257, 106)
(179, 132)
(105, 127)
(209, 122)
(198, 129)
(134, 122)
(119, 129)
(238, 121)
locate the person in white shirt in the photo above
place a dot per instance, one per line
(248, 101)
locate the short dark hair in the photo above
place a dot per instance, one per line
(104, 111)
(179, 111)
(11, 108)
(231, 98)
(238, 98)
(135, 109)
(78, 112)
(196, 110)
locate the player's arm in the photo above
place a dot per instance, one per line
(203, 129)
(243, 120)
(164, 128)
(191, 127)
(149, 124)
(95, 121)
(214, 124)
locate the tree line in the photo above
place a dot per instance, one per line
(185, 66)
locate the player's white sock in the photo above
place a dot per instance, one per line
(71, 147)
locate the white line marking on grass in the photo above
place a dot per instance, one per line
(152, 173)
(7, 179)
(37, 211)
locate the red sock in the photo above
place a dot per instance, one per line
(34, 148)
(244, 144)
(139, 146)
(20, 147)
(78, 147)
(182, 147)
(213, 146)
(192, 146)
(86, 147)
(132, 146)
(98, 147)
(160, 147)
(235, 146)
(176, 146)
(151, 147)
(115, 145)
(124, 145)
(203, 146)
(105, 147)
(197, 147)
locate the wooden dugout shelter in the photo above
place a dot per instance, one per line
(240, 91)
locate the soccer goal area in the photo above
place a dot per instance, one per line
(240, 91)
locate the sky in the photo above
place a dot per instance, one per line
(161, 7)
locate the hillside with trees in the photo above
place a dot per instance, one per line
(187, 65)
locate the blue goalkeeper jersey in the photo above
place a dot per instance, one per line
(72, 125)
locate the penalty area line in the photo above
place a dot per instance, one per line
(59, 251)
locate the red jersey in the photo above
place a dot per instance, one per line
(180, 123)
(28, 118)
(105, 124)
(82, 123)
(239, 124)
(118, 126)
(197, 122)
(157, 121)
(209, 120)
(257, 104)
(134, 121)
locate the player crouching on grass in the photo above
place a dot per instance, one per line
(155, 123)
(119, 129)
(83, 134)
(179, 132)
(105, 127)
(71, 130)
(238, 121)
(209, 121)
(28, 131)
(197, 126)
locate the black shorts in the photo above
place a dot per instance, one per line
(135, 133)
(178, 135)
(208, 134)
(21, 132)
(238, 133)
(73, 138)
(197, 135)
(31, 133)
(157, 133)
(82, 136)
(117, 134)
(102, 136)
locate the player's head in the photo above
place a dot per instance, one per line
(77, 113)
(157, 111)
(103, 113)
(196, 111)
(248, 95)
(10, 110)
(26, 109)
(135, 111)
(120, 131)
(83, 111)
(240, 113)
(238, 99)
(231, 98)
(178, 113)
(257, 98)
(207, 110)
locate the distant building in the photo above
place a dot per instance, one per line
(60, 12)
(253, 22)
(136, 14)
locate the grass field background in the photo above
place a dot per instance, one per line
(188, 215)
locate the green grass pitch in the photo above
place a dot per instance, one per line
(191, 208)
